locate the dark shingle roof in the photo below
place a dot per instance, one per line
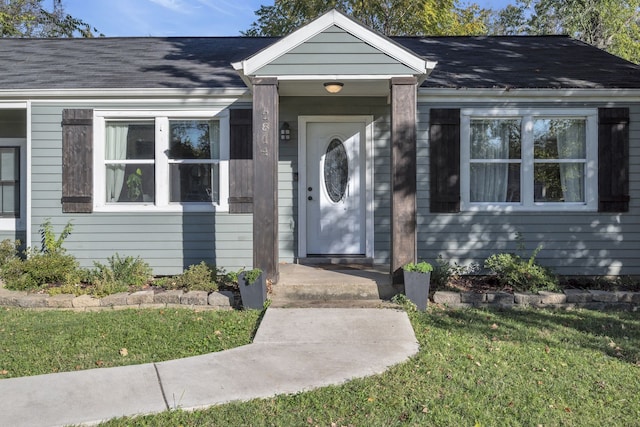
(521, 62)
(144, 62)
(205, 62)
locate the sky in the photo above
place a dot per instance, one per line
(166, 18)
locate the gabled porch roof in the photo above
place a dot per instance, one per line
(334, 47)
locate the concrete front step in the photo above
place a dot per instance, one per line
(312, 303)
(315, 285)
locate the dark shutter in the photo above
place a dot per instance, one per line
(77, 161)
(240, 161)
(613, 159)
(444, 160)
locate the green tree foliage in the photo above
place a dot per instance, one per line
(450, 18)
(389, 17)
(30, 18)
(611, 25)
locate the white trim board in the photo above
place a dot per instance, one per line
(333, 17)
(549, 96)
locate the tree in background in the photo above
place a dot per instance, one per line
(611, 25)
(389, 17)
(29, 18)
(450, 18)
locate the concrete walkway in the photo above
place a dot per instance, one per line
(294, 350)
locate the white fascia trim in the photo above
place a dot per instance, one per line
(250, 65)
(121, 93)
(152, 114)
(433, 95)
(20, 105)
(341, 77)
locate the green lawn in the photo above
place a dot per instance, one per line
(475, 368)
(528, 367)
(41, 342)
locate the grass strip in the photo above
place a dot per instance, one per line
(475, 368)
(42, 342)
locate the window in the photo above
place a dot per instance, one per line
(10, 182)
(529, 160)
(13, 176)
(194, 148)
(130, 161)
(162, 161)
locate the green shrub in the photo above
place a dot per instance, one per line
(198, 277)
(8, 251)
(230, 278)
(250, 276)
(420, 267)
(49, 265)
(40, 269)
(120, 273)
(403, 301)
(444, 271)
(76, 289)
(521, 274)
(51, 244)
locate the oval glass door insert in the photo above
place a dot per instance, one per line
(336, 170)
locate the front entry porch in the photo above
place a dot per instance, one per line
(334, 285)
(335, 214)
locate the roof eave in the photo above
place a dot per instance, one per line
(559, 95)
(120, 93)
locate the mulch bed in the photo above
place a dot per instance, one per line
(485, 284)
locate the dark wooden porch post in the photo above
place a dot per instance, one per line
(265, 176)
(403, 173)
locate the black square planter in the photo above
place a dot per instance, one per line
(255, 294)
(416, 288)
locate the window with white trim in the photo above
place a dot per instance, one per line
(10, 182)
(529, 160)
(161, 160)
(13, 176)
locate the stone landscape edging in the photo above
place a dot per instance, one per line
(225, 300)
(202, 300)
(569, 299)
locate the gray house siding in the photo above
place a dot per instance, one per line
(575, 243)
(334, 51)
(586, 243)
(20, 235)
(169, 242)
(290, 109)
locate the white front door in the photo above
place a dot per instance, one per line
(335, 193)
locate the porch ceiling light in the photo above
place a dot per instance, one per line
(333, 87)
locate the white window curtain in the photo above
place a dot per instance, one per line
(116, 149)
(571, 145)
(489, 181)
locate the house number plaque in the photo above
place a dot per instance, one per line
(265, 136)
